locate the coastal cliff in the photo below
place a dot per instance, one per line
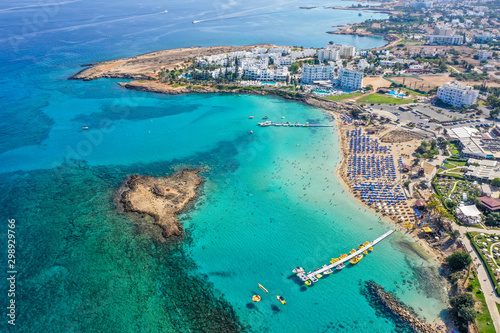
(160, 198)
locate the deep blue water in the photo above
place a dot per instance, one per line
(270, 201)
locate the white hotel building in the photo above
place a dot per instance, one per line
(350, 79)
(457, 94)
(311, 73)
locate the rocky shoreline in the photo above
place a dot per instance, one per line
(386, 303)
(348, 30)
(163, 88)
(155, 201)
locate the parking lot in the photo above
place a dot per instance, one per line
(422, 114)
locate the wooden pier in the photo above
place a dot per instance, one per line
(312, 275)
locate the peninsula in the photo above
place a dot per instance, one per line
(155, 201)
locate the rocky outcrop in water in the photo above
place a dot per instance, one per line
(388, 305)
(160, 198)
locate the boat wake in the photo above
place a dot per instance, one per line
(239, 14)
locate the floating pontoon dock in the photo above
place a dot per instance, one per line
(288, 124)
(312, 275)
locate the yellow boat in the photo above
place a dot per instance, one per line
(308, 282)
(366, 243)
(343, 256)
(334, 260)
(371, 249)
(352, 251)
(365, 252)
(357, 259)
(319, 276)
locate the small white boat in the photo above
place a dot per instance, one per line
(194, 22)
(340, 267)
(85, 128)
(298, 270)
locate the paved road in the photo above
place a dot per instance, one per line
(484, 279)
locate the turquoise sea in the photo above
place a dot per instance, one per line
(270, 202)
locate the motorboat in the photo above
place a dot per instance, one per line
(298, 270)
(357, 259)
(308, 283)
(340, 267)
(85, 128)
(281, 299)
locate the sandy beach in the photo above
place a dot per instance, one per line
(403, 150)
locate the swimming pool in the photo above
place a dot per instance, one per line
(322, 91)
(268, 83)
(394, 93)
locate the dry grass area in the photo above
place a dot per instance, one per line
(432, 81)
(376, 82)
(428, 82)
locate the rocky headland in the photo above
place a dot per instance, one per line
(146, 66)
(155, 201)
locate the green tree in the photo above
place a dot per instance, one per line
(494, 113)
(463, 307)
(459, 260)
(496, 182)
(467, 314)
(462, 301)
(451, 205)
(294, 67)
(493, 219)
(455, 234)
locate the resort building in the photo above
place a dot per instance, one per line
(484, 54)
(350, 79)
(328, 54)
(336, 52)
(486, 36)
(478, 146)
(311, 73)
(490, 204)
(307, 53)
(482, 169)
(387, 63)
(443, 35)
(446, 40)
(457, 94)
(362, 64)
(415, 68)
(347, 51)
(421, 4)
(468, 214)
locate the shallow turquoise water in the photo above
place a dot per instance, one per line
(270, 201)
